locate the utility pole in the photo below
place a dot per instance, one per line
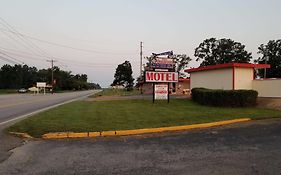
(141, 58)
(264, 76)
(141, 66)
(52, 64)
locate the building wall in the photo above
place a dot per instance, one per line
(183, 87)
(213, 79)
(243, 78)
(147, 88)
(268, 87)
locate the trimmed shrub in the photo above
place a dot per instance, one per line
(226, 98)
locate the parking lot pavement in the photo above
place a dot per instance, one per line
(246, 148)
(8, 142)
(14, 107)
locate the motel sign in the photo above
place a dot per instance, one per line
(161, 77)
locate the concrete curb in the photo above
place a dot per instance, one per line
(21, 135)
(64, 135)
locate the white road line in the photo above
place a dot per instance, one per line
(44, 109)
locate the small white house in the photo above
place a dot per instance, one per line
(234, 76)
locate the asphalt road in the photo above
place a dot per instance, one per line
(18, 106)
(245, 148)
(12, 106)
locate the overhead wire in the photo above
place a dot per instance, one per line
(11, 57)
(71, 47)
(24, 55)
(18, 41)
(38, 52)
(21, 53)
(66, 61)
(31, 46)
(8, 60)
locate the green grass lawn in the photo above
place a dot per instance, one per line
(130, 114)
(116, 92)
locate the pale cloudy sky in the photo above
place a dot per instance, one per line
(101, 34)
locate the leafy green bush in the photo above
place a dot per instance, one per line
(227, 98)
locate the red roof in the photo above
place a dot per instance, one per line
(228, 65)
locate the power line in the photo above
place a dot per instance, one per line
(12, 51)
(12, 57)
(69, 47)
(67, 61)
(141, 58)
(24, 56)
(8, 60)
(52, 64)
(26, 44)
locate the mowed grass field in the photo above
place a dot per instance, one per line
(83, 116)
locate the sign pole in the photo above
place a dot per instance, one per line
(153, 93)
(168, 92)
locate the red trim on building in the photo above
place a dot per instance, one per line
(228, 65)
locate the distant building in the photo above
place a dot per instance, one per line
(183, 86)
(179, 88)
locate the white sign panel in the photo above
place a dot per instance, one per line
(41, 84)
(161, 91)
(161, 77)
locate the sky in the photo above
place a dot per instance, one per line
(92, 37)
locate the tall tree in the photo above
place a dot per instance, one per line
(212, 51)
(123, 75)
(271, 54)
(181, 62)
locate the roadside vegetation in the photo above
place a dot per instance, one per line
(82, 116)
(23, 76)
(224, 98)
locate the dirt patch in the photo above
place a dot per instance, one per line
(271, 103)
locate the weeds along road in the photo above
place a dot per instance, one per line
(15, 106)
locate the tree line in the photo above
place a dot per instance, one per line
(23, 76)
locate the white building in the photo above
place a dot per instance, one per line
(234, 76)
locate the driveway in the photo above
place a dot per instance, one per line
(245, 148)
(18, 106)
